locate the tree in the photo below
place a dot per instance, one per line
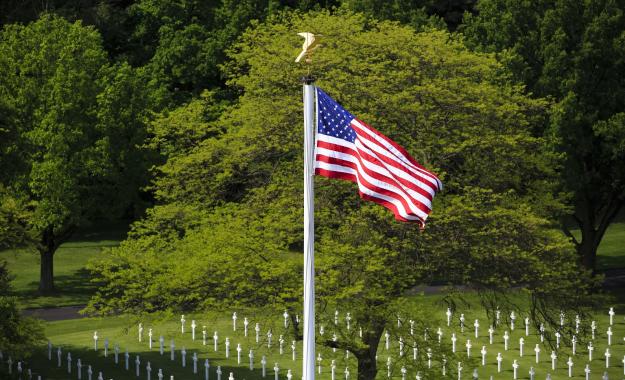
(570, 51)
(76, 125)
(455, 110)
(18, 335)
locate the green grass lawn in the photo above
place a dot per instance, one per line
(76, 337)
(71, 278)
(612, 249)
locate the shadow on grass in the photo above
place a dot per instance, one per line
(610, 262)
(76, 286)
(50, 370)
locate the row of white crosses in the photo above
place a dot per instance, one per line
(79, 365)
(553, 356)
(19, 368)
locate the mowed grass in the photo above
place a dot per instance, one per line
(611, 253)
(72, 280)
(77, 337)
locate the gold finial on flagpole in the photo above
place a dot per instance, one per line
(311, 43)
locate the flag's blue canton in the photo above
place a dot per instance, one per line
(333, 120)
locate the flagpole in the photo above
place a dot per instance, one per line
(308, 370)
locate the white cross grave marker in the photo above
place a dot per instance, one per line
(537, 351)
(569, 363)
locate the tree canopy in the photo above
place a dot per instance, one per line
(572, 52)
(227, 226)
(76, 124)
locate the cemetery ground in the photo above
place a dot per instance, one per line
(76, 336)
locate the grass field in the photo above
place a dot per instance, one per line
(612, 249)
(76, 337)
(71, 278)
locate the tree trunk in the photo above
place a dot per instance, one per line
(587, 249)
(367, 368)
(367, 365)
(46, 279)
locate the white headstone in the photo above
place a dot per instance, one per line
(505, 340)
(569, 363)
(515, 367)
(453, 342)
(239, 349)
(476, 324)
(95, 340)
(483, 352)
(611, 314)
(554, 357)
(206, 368)
(448, 314)
(182, 321)
(499, 360)
(319, 359)
(193, 326)
(263, 362)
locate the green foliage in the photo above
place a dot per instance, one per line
(240, 176)
(76, 127)
(571, 51)
(18, 335)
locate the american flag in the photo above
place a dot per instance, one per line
(349, 149)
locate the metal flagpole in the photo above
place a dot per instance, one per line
(308, 370)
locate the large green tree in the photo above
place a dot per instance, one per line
(76, 123)
(571, 51)
(228, 228)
